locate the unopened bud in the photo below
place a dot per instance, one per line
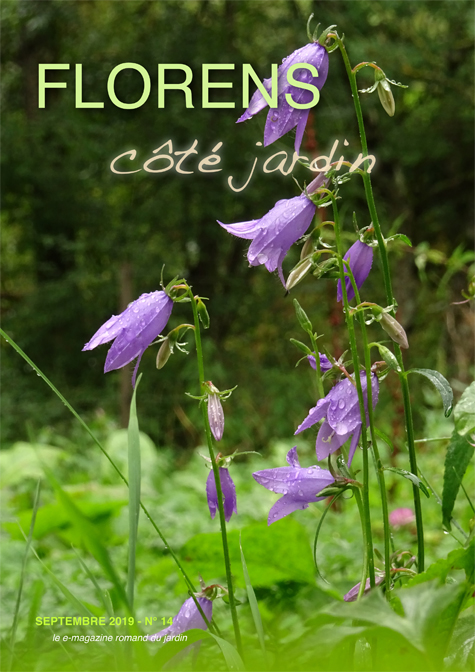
(394, 329)
(163, 354)
(299, 272)
(307, 247)
(215, 416)
(384, 92)
(202, 312)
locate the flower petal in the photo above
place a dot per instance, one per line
(229, 493)
(257, 103)
(283, 507)
(354, 444)
(325, 364)
(315, 415)
(211, 494)
(328, 441)
(292, 458)
(245, 230)
(188, 618)
(361, 260)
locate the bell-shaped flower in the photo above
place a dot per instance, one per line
(352, 595)
(285, 117)
(133, 330)
(229, 493)
(188, 618)
(341, 411)
(325, 364)
(360, 257)
(299, 486)
(274, 234)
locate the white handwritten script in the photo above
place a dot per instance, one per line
(188, 162)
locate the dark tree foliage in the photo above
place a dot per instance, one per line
(80, 242)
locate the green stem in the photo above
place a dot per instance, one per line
(354, 353)
(390, 300)
(222, 519)
(374, 444)
(364, 574)
(318, 370)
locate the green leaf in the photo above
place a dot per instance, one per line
(231, 656)
(203, 553)
(441, 384)
(301, 346)
(464, 412)
(459, 453)
(134, 491)
(411, 477)
(251, 596)
(460, 558)
(303, 318)
(401, 236)
(89, 536)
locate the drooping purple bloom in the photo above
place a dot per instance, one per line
(299, 486)
(361, 260)
(216, 416)
(341, 411)
(352, 595)
(325, 364)
(229, 493)
(274, 234)
(188, 618)
(285, 117)
(133, 330)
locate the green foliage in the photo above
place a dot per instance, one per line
(459, 454)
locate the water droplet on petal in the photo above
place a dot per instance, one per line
(341, 404)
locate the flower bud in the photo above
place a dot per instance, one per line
(299, 272)
(163, 354)
(215, 416)
(394, 329)
(384, 92)
(202, 312)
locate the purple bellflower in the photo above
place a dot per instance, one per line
(274, 234)
(285, 117)
(298, 486)
(133, 330)
(188, 618)
(229, 493)
(360, 257)
(341, 411)
(325, 364)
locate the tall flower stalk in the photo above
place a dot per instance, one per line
(219, 491)
(389, 294)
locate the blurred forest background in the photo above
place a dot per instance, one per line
(79, 242)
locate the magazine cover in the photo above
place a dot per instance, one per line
(238, 408)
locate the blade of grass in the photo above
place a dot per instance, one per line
(22, 573)
(251, 596)
(134, 492)
(17, 348)
(106, 604)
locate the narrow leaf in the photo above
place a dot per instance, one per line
(231, 656)
(134, 492)
(301, 346)
(441, 384)
(459, 453)
(22, 573)
(411, 477)
(464, 412)
(251, 596)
